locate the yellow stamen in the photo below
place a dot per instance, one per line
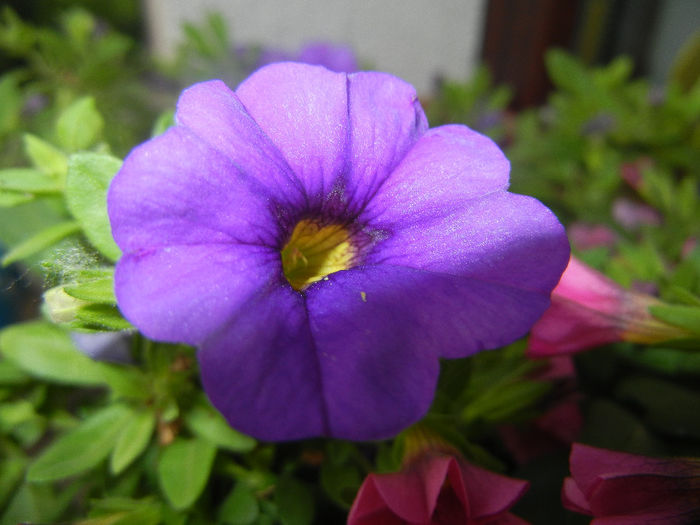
(314, 251)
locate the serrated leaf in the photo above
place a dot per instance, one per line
(44, 156)
(82, 448)
(183, 470)
(101, 316)
(208, 424)
(99, 291)
(79, 125)
(240, 507)
(28, 180)
(45, 351)
(686, 317)
(40, 241)
(295, 503)
(89, 175)
(133, 440)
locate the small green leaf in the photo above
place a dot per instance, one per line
(46, 351)
(82, 448)
(14, 198)
(99, 291)
(164, 121)
(240, 507)
(101, 316)
(183, 470)
(295, 503)
(11, 473)
(40, 241)
(89, 175)
(79, 125)
(208, 424)
(133, 440)
(686, 317)
(11, 374)
(28, 180)
(45, 156)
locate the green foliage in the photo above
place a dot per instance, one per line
(183, 470)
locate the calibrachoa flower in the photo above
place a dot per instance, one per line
(589, 309)
(626, 489)
(322, 248)
(336, 57)
(437, 489)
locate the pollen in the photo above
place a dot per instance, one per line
(315, 251)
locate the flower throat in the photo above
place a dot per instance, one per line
(314, 251)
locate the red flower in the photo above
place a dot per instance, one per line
(437, 489)
(588, 309)
(625, 489)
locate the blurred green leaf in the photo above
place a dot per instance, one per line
(100, 317)
(40, 241)
(183, 470)
(686, 317)
(341, 482)
(133, 440)
(11, 474)
(208, 424)
(240, 507)
(89, 175)
(80, 125)
(9, 199)
(82, 448)
(295, 502)
(164, 121)
(45, 157)
(45, 351)
(28, 180)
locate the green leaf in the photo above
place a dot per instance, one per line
(686, 317)
(340, 482)
(89, 175)
(79, 125)
(133, 440)
(45, 156)
(82, 448)
(11, 374)
(100, 316)
(164, 121)
(11, 473)
(40, 241)
(28, 180)
(183, 470)
(240, 507)
(208, 424)
(295, 503)
(14, 198)
(99, 291)
(46, 351)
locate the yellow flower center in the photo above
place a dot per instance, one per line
(314, 251)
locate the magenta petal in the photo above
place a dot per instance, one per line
(573, 499)
(176, 189)
(164, 292)
(215, 114)
(304, 110)
(261, 371)
(448, 166)
(489, 493)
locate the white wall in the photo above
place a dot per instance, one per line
(413, 39)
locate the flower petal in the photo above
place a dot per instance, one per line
(386, 120)
(261, 370)
(448, 166)
(503, 238)
(215, 114)
(168, 295)
(489, 493)
(342, 134)
(304, 110)
(379, 331)
(176, 189)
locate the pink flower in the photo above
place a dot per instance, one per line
(624, 489)
(586, 236)
(437, 489)
(632, 215)
(588, 309)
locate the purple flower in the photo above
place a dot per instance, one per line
(336, 57)
(322, 248)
